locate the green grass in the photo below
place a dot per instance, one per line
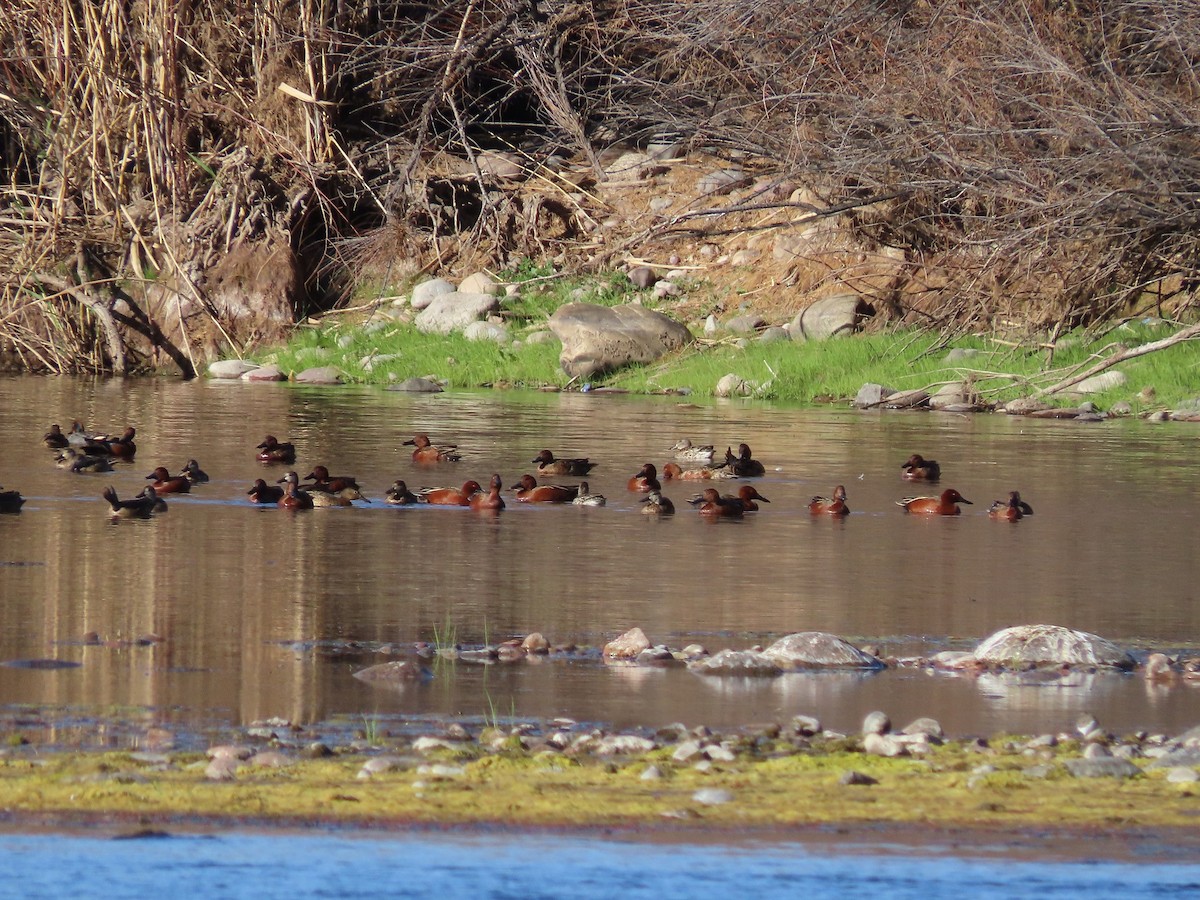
(382, 351)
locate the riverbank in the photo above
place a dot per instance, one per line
(745, 355)
(792, 778)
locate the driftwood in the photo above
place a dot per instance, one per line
(1187, 334)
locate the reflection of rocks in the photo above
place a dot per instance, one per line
(1049, 645)
(736, 662)
(397, 672)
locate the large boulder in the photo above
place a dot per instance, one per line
(1049, 645)
(831, 316)
(454, 312)
(816, 649)
(601, 338)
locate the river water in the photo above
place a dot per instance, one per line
(265, 866)
(256, 606)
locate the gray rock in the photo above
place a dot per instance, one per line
(876, 723)
(600, 338)
(828, 317)
(745, 324)
(687, 751)
(1024, 406)
(480, 283)
(495, 164)
(710, 324)
(230, 368)
(222, 768)
(618, 744)
(1040, 771)
(1049, 645)
(1105, 767)
(734, 386)
(816, 649)
(722, 181)
(924, 725)
(1182, 775)
(628, 645)
(320, 375)
(1096, 751)
(773, 334)
(1188, 756)
(806, 725)
(735, 662)
(425, 292)
(1102, 382)
(377, 765)
(852, 778)
(1121, 408)
(540, 337)
(270, 372)
(651, 773)
(486, 331)
(960, 353)
(416, 386)
(712, 796)
(955, 395)
(271, 759)
(870, 394)
(642, 277)
(954, 659)
(453, 312)
(883, 745)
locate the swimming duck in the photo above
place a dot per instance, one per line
(830, 506)
(673, 471)
(746, 496)
(139, 507)
(293, 497)
(491, 499)
(450, 496)
(711, 503)
(323, 481)
(587, 498)
(11, 501)
(54, 439)
(549, 466)
(645, 480)
(399, 494)
(265, 493)
(945, 505)
(272, 450)
(657, 505)
(121, 447)
(918, 468)
(165, 484)
(1011, 509)
(193, 473)
(427, 453)
(325, 499)
(529, 491)
(742, 465)
(77, 461)
(689, 452)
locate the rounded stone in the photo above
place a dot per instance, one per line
(230, 368)
(425, 292)
(876, 723)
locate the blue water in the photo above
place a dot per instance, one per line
(523, 866)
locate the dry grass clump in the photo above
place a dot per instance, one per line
(1036, 160)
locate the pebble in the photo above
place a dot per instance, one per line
(712, 796)
(857, 778)
(717, 753)
(1105, 767)
(1182, 775)
(651, 773)
(1096, 751)
(222, 768)
(441, 771)
(376, 765)
(883, 745)
(686, 751)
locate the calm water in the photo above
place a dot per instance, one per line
(265, 866)
(250, 600)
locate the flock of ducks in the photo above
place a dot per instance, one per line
(79, 451)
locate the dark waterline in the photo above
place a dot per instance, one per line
(315, 865)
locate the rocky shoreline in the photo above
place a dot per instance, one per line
(790, 774)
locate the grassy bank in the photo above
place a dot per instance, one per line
(377, 348)
(958, 784)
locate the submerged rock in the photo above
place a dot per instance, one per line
(395, 671)
(1050, 645)
(628, 645)
(816, 649)
(735, 662)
